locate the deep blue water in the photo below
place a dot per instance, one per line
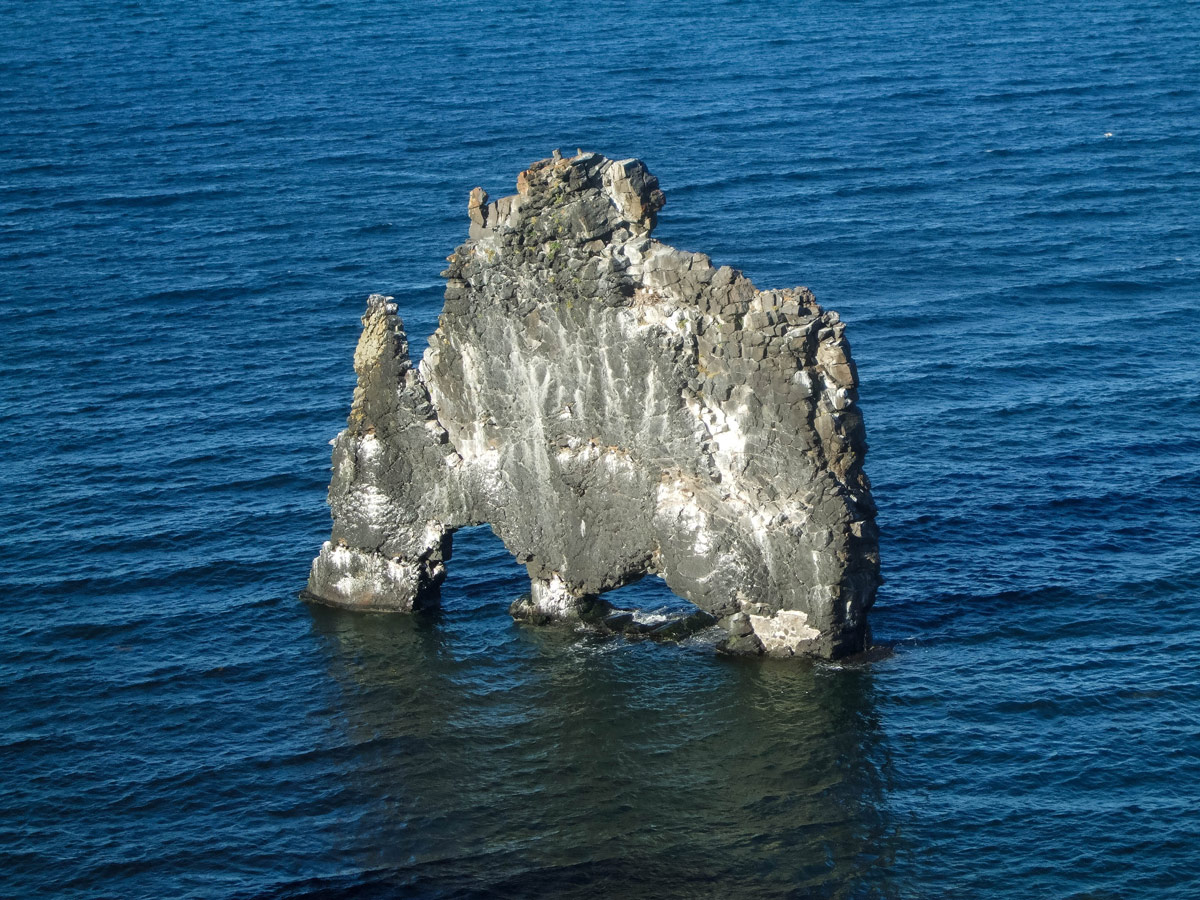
(1003, 201)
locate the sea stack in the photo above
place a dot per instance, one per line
(612, 407)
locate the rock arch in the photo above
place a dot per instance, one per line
(612, 407)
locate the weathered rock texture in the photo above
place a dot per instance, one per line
(612, 407)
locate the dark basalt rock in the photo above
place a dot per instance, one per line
(612, 407)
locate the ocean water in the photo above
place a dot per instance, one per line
(1003, 202)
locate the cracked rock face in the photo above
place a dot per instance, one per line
(612, 407)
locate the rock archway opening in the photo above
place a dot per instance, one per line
(648, 608)
(482, 573)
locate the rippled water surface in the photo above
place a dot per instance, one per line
(1002, 200)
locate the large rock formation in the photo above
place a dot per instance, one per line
(612, 407)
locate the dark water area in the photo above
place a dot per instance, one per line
(1003, 202)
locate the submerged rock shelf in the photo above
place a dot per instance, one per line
(613, 408)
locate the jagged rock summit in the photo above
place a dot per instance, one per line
(612, 407)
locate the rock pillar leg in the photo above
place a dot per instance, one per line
(360, 579)
(551, 601)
